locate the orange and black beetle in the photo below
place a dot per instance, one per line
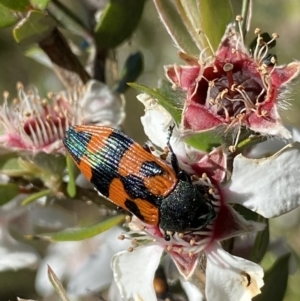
(134, 179)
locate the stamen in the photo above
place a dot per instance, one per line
(239, 20)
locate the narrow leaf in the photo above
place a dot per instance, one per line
(175, 27)
(205, 141)
(8, 192)
(33, 197)
(34, 28)
(57, 285)
(82, 233)
(118, 21)
(190, 14)
(261, 243)
(215, 16)
(10, 165)
(72, 172)
(7, 17)
(68, 19)
(39, 4)
(39, 56)
(16, 5)
(168, 104)
(275, 281)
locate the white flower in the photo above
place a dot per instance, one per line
(253, 185)
(14, 255)
(36, 124)
(84, 265)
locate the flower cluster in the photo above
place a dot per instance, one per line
(231, 91)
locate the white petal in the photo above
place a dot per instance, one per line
(15, 255)
(268, 186)
(191, 291)
(95, 274)
(156, 123)
(134, 272)
(295, 134)
(230, 278)
(102, 106)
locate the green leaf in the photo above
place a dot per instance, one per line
(11, 166)
(117, 22)
(8, 192)
(261, 243)
(7, 17)
(16, 5)
(215, 16)
(82, 233)
(275, 281)
(175, 27)
(37, 54)
(130, 72)
(247, 213)
(57, 285)
(72, 172)
(204, 141)
(34, 28)
(168, 104)
(40, 4)
(68, 19)
(33, 197)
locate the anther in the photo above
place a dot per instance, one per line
(121, 237)
(134, 241)
(232, 148)
(194, 178)
(232, 88)
(191, 254)
(27, 114)
(257, 31)
(211, 191)
(238, 18)
(128, 218)
(228, 69)
(19, 86)
(223, 94)
(204, 176)
(163, 156)
(5, 94)
(181, 235)
(211, 83)
(275, 35)
(192, 241)
(273, 60)
(130, 249)
(169, 248)
(212, 101)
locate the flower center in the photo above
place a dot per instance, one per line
(230, 89)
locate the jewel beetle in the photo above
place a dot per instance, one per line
(133, 178)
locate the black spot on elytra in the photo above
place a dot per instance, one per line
(134, 209)
(136, 189)
(151, 169)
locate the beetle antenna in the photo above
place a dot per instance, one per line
(174, 161)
